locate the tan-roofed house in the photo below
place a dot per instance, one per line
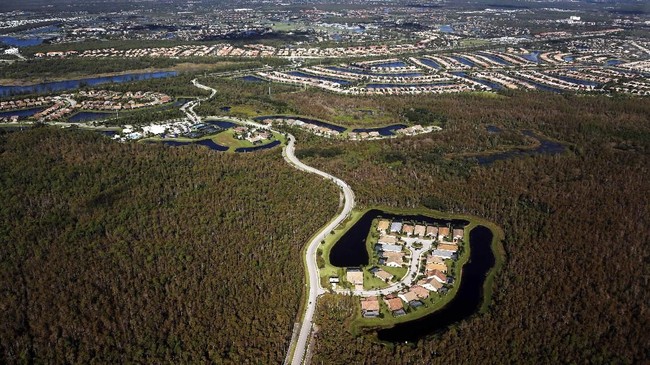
(370, 307)
(431, 259)
(440, 276)
(387, 240)
(431, 284)
(419, 230)
(354, 277)
(420, 291)
(458, 233)
(443, 231)
(432, 231)
(408, 296)
(394, 259)
(435, 266)
(384, 275)
(383, 225)
(394, 304)
(448, 247)
(408, 229)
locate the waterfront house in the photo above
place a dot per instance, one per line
(354, 276)
(408, 296)
(370, 307)
(440, 276)
(396, 227)
(407, 229)
(458, 233)
(383, 225)
(419, 230)
(395, 305)
(420, 291)
(432, 231)
(431, 284)
(443, 232)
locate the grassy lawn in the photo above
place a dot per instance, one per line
(223, 138)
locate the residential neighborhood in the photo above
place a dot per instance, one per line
(412, 266)
(61, 107)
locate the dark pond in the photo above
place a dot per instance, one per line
(46, 87)
(430, 63)
(350, 249)
(544, 87)
(446, 29)
(250, 78)
(493, 129)
(306, 120)
(465, 303)
(88, 116)
(384, 131)
(206, 142)
(221, 123)
(546, 147)
(464, 61)
(20, 42)
(533, 56)
(21, 113)
(495, 58)
(389, 64)
(310, 76)
(257, 148)
(348, 69)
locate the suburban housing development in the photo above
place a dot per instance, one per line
(423, 255)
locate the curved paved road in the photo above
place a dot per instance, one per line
(315, 289)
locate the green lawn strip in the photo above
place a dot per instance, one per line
(398, 272)
(370, 281)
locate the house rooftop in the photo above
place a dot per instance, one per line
(443, 253)
(448, 247)
(388, 239)
(355, 277)
(383, 225)
(370, 304)
(390, 248)
(420, 291)
(394, 304)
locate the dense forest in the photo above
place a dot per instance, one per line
(134, 253)
(574, 288)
